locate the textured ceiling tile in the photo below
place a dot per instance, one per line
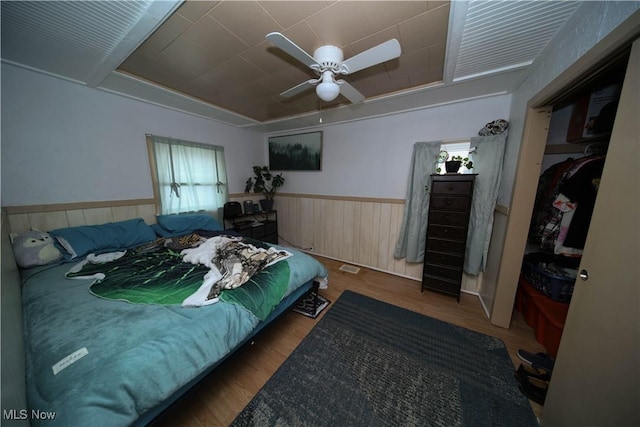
(267, 58)
(340, 23)
(210, 35)
(186, 60)
(246, 19)
(285, 79)
(241, 71)
(425, 30)
(170, 30)
(383, 14)
(413, 62)
(287, 13)
(207, 83)
(195, 9)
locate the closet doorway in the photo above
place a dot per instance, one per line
(597, 371)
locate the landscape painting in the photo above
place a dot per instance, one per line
(301, 152)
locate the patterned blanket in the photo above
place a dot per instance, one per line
(248, 273)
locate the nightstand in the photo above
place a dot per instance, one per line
(260, 225)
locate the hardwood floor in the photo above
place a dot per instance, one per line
(220, 397)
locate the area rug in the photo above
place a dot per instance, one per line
(369, 363)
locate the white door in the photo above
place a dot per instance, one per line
(596, 380)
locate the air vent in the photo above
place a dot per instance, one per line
(349, 269)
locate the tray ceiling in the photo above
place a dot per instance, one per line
(211, 58)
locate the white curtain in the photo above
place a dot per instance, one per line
(412, 237)
(190, 176)
(487, 153)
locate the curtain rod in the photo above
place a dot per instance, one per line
(454, 141)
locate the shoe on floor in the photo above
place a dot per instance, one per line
(537, 360)
(525, 371)
(533, 388)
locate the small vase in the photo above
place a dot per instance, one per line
(452, 166)
(266, 204)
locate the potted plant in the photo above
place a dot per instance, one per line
(266, 183)
(453, 165)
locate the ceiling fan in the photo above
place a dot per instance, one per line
(327, 62)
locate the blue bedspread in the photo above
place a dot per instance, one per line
(137, 355)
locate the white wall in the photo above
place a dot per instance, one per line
(371, 158)
(63, 142)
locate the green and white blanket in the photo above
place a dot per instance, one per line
(221, 267)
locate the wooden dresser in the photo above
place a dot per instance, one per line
(449, 208)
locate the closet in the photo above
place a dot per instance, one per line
(577, 142)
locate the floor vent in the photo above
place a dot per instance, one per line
(349, 269)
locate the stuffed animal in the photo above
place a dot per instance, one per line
(34, 248)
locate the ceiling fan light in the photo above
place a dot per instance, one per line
(327, 91)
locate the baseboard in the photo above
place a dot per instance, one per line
(475, 293)
(484, 307)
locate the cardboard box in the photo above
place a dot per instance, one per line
(593, 114)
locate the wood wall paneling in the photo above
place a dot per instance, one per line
(360, 231)
(354, 230)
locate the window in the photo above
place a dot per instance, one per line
(454, 149)
(188, 176)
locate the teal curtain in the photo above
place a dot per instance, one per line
(411, 240)
(487, 153)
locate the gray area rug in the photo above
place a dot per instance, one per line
(369, 363)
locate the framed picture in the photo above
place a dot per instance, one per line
(301, 152)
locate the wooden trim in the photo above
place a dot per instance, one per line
(327, 197)
(565, 148)
(72, 206)
(153, 170)
(534, 137)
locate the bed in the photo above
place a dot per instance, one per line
(122, 357)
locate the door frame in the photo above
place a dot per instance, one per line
(534, 140)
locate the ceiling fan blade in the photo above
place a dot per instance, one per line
(376, 55)
(291, 48)
(299, 88)
(350, 92)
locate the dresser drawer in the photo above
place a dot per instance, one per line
(451, 187)
(448, 218)
(442, 245)
(440, 285)
(447, 232)
(452, 260)
(442, 272)
(453, 203)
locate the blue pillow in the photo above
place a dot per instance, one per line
(110, 237)
(179, 225)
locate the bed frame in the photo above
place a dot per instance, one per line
(48, 217)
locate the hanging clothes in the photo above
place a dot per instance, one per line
(581, 187)
(564, 203)
(543, 212)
